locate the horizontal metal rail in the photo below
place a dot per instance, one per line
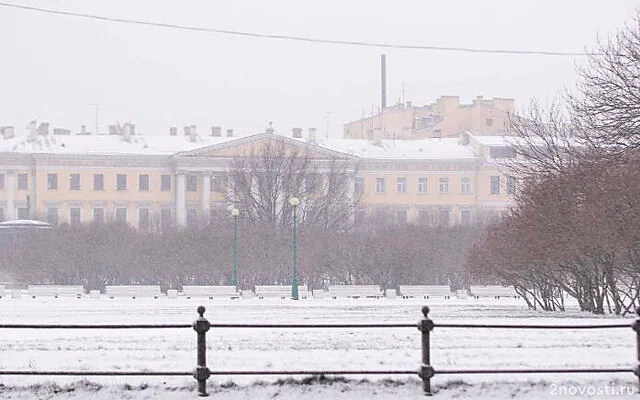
(513, 326)
(100, 326)
(311, 326)
(531, 371)
(99, 373)
(233, 372)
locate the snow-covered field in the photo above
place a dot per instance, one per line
(286, 349)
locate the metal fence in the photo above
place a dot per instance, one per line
(426, 371)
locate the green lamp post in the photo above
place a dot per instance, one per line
(234, 277)
(294, 201)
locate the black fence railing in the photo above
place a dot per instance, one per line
(426, 371)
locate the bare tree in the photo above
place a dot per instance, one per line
(264, 179)
(607, 100)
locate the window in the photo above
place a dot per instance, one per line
(143, 219)
(143, 183)
(1, 181)
(165, 183)
(74, 215)
(489, 122)
(52, 181)
(165, 218)
(359, 185)
(2, 214)
(422, 185)
(380, 185)
(192, 216)
(52, 216)
(495, 185)
(74, 182)
(511, 185)
(121, 182)
(23, 213)
(465, 185)
(219, 183)
(444, 185)
(121, 215)
(401, 184)
(424, 218)
(98, 214)
(465, 217)
(444, 217)
(192, 183)
(401, 216)
(23, 183)
(98, 181)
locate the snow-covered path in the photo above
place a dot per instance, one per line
(282, 349)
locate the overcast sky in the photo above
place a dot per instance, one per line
(55, 68)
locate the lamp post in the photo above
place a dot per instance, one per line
(294, 283)
(234, 277)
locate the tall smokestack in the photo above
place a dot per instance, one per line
(383, 81)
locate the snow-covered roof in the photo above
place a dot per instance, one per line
(448, 148)
(107, 144)
(432, 148)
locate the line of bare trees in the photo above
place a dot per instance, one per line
(96, 255)
(576, 229)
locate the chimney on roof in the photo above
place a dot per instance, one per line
(83, 130)
(216, 131)
(33, 130)
(297, 133)
(43, 129)
(193, 134)
(312, 135)
(7, 132)
(113, 130)
(229, 132)
(61, 131)
(187, 130)
(126, 132)
(173, 131)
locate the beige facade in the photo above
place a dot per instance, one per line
(444, 118)
(146, 184)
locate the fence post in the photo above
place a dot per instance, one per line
(636, 327)
(201, 372)
(426, 370)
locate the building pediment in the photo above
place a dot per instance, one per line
(252, 144)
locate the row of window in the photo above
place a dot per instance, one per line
(218, 183)
(431, 217)
(443, 185)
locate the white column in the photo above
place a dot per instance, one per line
(11, 194)
(206, 196)
(181, 204)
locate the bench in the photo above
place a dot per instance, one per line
(55, 291)
(355, 291)
(133, 291)
(494, 291)
(277, 291)
(425, 291)
(228, 292)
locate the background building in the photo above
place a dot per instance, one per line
(445, 118)
(152, 182)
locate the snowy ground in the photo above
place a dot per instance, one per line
(281, 349)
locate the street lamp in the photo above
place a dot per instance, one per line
(234, 277)
(294, 284)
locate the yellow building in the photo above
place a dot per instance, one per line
(155, 181)
(442, 119)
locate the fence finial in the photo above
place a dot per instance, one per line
(201, 311)
(425, 311)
